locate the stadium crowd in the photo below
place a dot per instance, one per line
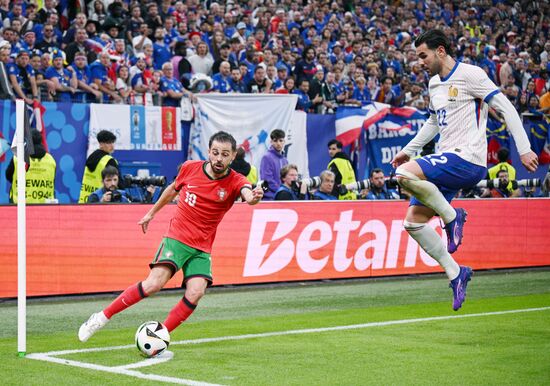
(328, 53)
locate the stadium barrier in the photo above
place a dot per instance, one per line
(75, 249)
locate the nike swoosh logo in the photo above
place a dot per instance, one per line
(191, 186)
(456, 235)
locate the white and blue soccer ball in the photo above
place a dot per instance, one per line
(152, 339)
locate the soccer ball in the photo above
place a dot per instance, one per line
(152, 338)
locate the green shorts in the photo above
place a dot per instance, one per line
(177, 255)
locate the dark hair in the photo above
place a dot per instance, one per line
(223, 137)
(36, 137)
(240, 153)
(384, 78)
(105, 136)
(334, 142)
(375, 170)
(503, 154)
(433, 39)
(108, 172)
(277, 134)
(180, 49)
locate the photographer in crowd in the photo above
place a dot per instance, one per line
(290, 189)
(109, 192)
(326, 187)
(341, 166)
(504, 189)
(378, 187)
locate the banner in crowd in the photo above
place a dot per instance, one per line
(70, 250)
(386, 130)
(250, 118)
(136, 127)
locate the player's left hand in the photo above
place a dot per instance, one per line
(530, 161)
(257, 194)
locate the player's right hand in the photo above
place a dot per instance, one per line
(400, 158)
(530, 161)
(144, 222)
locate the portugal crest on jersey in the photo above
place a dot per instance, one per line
(453, 93)
(221, 194)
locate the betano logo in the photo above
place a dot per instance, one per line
(339, 242)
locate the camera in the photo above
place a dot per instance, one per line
(495, 183)
(144, 181)
(263, 184)
(116, 196)
(355, 186)
(311, 183)
(139, 188)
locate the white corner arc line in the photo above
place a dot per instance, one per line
(51, 356)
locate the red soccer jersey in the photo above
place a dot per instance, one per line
(202, 204)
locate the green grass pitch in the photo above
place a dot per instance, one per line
(370, 332)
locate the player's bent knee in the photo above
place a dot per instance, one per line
(413, 226)
(405, 177)
(152, 286)
(194, 294)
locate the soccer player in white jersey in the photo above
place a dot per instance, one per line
(460, 95)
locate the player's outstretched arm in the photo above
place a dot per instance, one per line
(252, 196)
(528, 158)
(166, 197)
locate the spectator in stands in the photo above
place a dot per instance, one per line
(78, 45)
(100, 70)
(236, 82)
(289, 188)
(22, 78)
(306, 68)
(240, 165)
(272, 162)
(96, 163)
(141, 39)
(49, 40)
(161, 50)
(63, 79)
(202, 61)
(221, 80)
(133, 24)
(304, 102)
(340, 165)
(315, 90)
(361, 94)
(329, 92)
(378, 189)
(259, 83)
(326, 188)
(45, 87)
(171, 88)
(84, 79)
(123, 83)
(223, 56)
(70, 34)
(109, 192)
(97, 12)
(40, 174)
(385, 93)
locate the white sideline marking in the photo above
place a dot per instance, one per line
(124, 370)
(164, 357)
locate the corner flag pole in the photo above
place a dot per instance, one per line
(21, 231)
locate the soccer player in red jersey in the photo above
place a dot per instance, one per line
(207, 190)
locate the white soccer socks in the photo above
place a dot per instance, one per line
(431, 242)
